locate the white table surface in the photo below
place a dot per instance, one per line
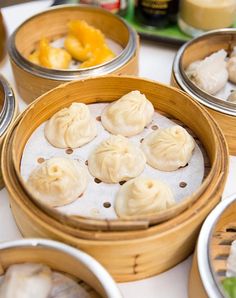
(155, 63)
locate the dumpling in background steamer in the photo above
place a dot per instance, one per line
(209, 74)
(65, 287)
(128, 115)
(231, 65)
(231, 262)
(142, 196)
(71, 127)
(168, 149)
(58, 181)
(26, 281)
(116, 159)
(232, 97)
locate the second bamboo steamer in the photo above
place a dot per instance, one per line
(197, 49)
(33, 80)
(145, 250)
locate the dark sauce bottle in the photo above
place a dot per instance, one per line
(156, 13)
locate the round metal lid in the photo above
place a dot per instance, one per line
(9, 105)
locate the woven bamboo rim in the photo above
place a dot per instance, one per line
(106, 90)
(33, 80)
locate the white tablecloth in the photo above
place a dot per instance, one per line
(155, 63)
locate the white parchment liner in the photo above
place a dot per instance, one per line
(91, 204)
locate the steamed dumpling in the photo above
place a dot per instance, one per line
(232, 69)
(58, 181)
(71, 127)
(26, 281)
(209, 74)
(168, 149)
(116, 159)
(231, 262)
(141, 196)
(129, 115)
(65, 287)
(232, 97)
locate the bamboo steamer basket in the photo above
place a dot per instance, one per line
(199, 48)
(129, 250)
(212, 251)
(8, 111)
(59, 257)
(33, 80)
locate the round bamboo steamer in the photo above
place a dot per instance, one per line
(103, 90)
(197, 49)
(210, 258)
(8, 112)
(61, 258)
(127, 254)
(33, 80)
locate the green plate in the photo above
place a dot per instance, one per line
(169, 35)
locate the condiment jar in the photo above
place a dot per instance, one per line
(156, 13)
(197, 16)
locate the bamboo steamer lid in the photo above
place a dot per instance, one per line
(133, 251)
(212, 251)
(33, 80)
(197, 49)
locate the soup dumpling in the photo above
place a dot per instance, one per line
(128, 115)
(142, 196)
(71, 127)
(116, 159)
(168, 149)
(58, 181)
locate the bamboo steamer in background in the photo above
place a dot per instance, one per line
(61, 258)
(135, 251)
(197, 49)
(212, 251)
(8, 111)
(33, 80)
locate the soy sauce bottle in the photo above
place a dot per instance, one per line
(156, 13)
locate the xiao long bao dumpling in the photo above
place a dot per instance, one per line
(71, 127)
(209, 74)
(168, 149)
(129, 115)
(116, 159)
(58, 181)
(142, 196)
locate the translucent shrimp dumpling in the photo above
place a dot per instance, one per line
(209, 74)
(142, 196)
(116, 159)
(26, 281)
(168, 149)
(128, 115)
(71, 127)
(58, 181)
(232, 66)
